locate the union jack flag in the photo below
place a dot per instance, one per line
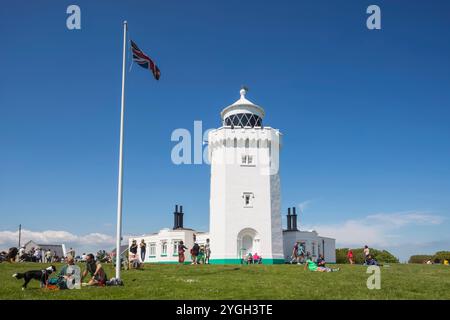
(144, 61)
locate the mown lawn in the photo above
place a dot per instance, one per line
(245, 282)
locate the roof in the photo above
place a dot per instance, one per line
(123, 248)
(243, 103)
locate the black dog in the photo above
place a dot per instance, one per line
(40, 275)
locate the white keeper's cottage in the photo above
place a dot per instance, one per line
(245, 198)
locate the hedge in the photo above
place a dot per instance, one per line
(382, 256)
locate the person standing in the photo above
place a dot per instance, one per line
(194, 252)
(366, 253)
(301, 252)
(350, 256)
(71, 252)
(143, 247)
(21, 252)
(133, 247)
(181, 248)
(37, 255)
(207, 251)
(48, 256)
(295, 257)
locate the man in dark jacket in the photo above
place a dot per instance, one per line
(194, 252)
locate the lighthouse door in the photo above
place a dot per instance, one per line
(247, 244)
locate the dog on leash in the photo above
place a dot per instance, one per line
(40, 275)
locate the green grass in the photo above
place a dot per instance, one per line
(245, 282)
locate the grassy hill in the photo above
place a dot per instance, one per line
(399, 281)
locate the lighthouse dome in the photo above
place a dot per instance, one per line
(243, 113)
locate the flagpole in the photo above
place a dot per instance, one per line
(120, 180)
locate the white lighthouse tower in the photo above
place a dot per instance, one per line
(245, 213)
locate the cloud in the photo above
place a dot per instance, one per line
(88, 241)
(379, 229)
(401, 219)
(303, 205)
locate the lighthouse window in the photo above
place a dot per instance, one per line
(243, 120)
(248, 199)
(247, 160)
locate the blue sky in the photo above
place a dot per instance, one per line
(365, 115)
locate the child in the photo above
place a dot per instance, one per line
(201, 255)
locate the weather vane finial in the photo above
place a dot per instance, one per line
(243, 91)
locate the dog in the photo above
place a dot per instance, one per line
(40, 275)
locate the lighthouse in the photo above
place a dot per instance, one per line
(245, 200)
(245, 213)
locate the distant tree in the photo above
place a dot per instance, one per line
(440, 256)
(341, 255)
(420, 258)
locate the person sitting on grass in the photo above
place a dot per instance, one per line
(249, 258)
(312, 266)
(135, 263)
(257, 259)
(370, 261)
(60, 282)
(320, 261)
(95, 269)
